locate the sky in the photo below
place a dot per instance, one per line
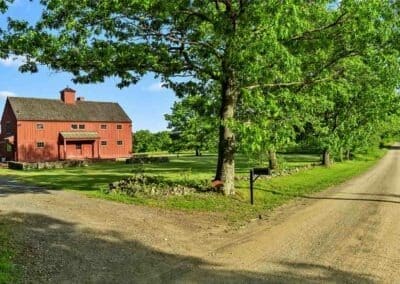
(145, 103)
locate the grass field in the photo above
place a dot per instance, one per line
(8, 271)
(269, 193)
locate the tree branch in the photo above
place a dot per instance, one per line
(306, 35)
(289, 84)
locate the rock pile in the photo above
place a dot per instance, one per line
(149, 185)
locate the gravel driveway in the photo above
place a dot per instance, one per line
(349, 233)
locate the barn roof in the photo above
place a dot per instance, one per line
(79, 134)
(57, 110)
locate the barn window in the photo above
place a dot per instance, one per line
(103, 126)
(81, 126)
(9, 147)
(40, 144)
(39, 126)
(103, 143)
(74, 126)
(119, 126)
(8, 127)
(119, 142)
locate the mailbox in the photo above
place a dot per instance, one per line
(262, 171)
(254, 174)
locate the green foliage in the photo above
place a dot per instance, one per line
(145, 141)
(194, 123)
(273, 69)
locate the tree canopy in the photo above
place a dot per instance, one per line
(246, 49)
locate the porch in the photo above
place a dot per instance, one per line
(78, 145)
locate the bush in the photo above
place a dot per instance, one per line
(144, 159)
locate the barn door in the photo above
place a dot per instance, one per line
(79, 149)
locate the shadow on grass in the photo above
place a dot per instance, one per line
(9, 186)
(68, 181)
(58, 251)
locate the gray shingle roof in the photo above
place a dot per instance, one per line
(47, 110)
(79, 134)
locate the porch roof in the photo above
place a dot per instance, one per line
(79, 135)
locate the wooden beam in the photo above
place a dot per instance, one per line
(65, 149)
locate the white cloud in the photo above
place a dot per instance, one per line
(13, 61)
(4, 94)
(155, 87)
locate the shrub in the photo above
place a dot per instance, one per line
(146, 160)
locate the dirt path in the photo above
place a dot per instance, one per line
(350, 233)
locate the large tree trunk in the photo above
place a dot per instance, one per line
(326, 158)
(273, 162)
(225, 170)
(198, 153)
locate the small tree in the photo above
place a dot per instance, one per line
(195, 119)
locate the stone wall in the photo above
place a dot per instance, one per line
(46, 165)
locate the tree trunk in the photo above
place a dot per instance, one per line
(273, 162)
(225, 170)
(326, 159)
(348, 155)
(198, 152)
(341, 154)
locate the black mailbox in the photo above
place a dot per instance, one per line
(262, 171)
(254, 174)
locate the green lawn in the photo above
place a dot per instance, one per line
(8, 271)
(269, 193)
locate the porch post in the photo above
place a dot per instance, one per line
(65, 149)
(93, 149)
(98, 148)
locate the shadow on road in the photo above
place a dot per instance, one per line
(9, 186)
(57, 251)
(391, 147)
(345, 198)
(379, 194)
(350, 199)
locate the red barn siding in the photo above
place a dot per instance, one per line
(28, 136)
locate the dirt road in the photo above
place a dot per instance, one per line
(350, 233)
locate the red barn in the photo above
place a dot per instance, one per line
(34, 130)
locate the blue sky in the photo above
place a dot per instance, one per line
(145, 103)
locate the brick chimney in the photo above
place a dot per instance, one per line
(68, 96)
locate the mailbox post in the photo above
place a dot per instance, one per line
(255, 173)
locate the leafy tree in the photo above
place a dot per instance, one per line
(348, 114)
(194, 122)
(241, 46)
(142, 141)
(3, 5)
(163, 140)
(145, 141)
(268, 124)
